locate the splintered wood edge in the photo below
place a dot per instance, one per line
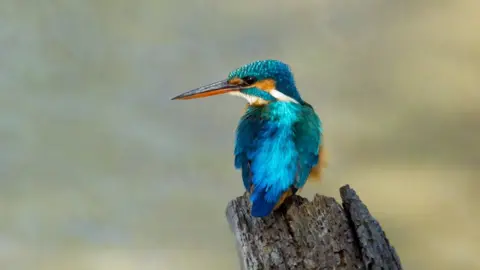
(375, 247)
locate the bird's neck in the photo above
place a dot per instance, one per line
(291, 91)
(281, 112)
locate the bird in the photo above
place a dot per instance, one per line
(279, 142)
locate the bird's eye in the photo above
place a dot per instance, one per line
(249, 80)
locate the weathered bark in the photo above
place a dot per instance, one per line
(377, 253)
(311, 235)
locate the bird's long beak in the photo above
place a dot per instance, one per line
(212, 89)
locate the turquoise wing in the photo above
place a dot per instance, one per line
(247, 131)
(265, 151)
(308, 135)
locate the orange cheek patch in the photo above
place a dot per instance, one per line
(265, 85)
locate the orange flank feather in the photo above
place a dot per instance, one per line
(316, 172)
(285, 195)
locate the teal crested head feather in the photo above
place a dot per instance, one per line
(259, 82)
(271, 80)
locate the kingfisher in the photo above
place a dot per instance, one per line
(279, 138)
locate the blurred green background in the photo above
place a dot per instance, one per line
(100, 170)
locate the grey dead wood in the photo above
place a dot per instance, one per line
(317, 234)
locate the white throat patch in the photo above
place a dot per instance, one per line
(250, 99)
(281, 96)
(256, 100)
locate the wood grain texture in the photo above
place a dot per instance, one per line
(317, 234)
(377, 253)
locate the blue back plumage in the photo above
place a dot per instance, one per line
(276, 147)
(308, 135)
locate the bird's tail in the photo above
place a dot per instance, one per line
(261, 207)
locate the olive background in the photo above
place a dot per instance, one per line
(99, 169)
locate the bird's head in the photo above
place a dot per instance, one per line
(259, 82)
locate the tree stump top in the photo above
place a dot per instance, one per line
(317, 234)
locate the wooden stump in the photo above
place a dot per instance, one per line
(320, 234)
